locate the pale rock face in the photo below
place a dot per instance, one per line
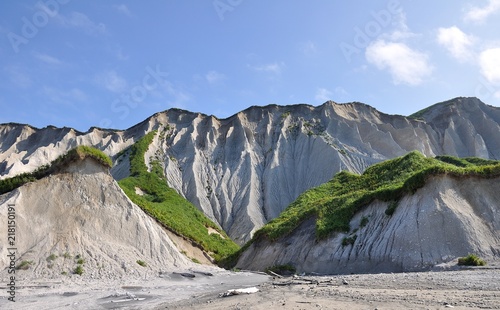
(244, 170)
(446, 219)
(84, 212)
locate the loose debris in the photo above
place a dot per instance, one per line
(250, 290)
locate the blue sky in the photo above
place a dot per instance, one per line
(114, 63)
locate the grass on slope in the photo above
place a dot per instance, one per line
(73, 155)
(334, 203)
(168, 207)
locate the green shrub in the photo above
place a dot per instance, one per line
(78, 153)
(349, 240)
(364, 221)
(24, 265)
(80, 261)
(141, 263)
(52, 257)
(78, 270)
(391, 207)
(333, 204)
(196, 261)
(169, 208)
(471, 260)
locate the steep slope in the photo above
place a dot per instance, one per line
(244, 170)
(399, 221)
(148, 189)
(81, 217)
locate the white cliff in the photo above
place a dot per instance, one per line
(82, 213)
(446, 219)
(244, 170)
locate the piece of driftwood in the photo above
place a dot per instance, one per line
(250, 290)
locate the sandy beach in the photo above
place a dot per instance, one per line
(465, 289)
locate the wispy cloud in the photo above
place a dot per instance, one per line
(456, 42)
(65, 97)
(309, 48)
(122, 8)
(112, 81)
(18, 76)
(275, 67)
(405, 65)
(177, 97)
(213, 77)
(489, 62)
(81, 21)
(50, 60)
(480, 14)
(323, 94)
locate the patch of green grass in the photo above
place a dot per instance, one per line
(168, 207)
(80, 261)
(51, 257)
(364, 221)
(78, 270)
(471, 260)
(196, 261)
(141, 263)
(391, 207)
(24, 265)
(334, 203)
(349, 240)
(78, 153)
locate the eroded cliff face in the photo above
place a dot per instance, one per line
(83, 214)
(446, 219)
(244, 170)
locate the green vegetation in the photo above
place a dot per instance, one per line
(349, 240)
(364, 221)
(391, 207)
(24, 265)
(141, 263)
(52, 257)
(419, 115)
(78, 270)
(168, 207)
(334, 203)
(80, 261)
(471, 260)
(71, 156)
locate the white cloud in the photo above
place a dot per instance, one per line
(81, 21)
(47, 59)
(18, 76)
(401, 31)
(122, 8)
(213, 77)
(112, 81)
(456, 42)
(177, 96)
(309, 48)
(271, 68)
(405, 65)
(480, 14)
(66, 97)
(489, 61)
(323, 94)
